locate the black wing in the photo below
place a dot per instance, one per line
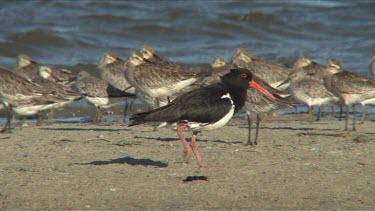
(204, 105)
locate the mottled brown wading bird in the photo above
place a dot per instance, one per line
(112, 70)
(305, 69)
(372, 64)
(272, 73)
(218, 68)
(98, 92)
(260, 104)
(158, 79)
(33, 71)
(350, 87)
(24, 97)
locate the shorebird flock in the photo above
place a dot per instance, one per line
(185, 99)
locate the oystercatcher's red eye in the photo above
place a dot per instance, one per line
(243, 75)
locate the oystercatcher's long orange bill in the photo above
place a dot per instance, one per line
(255, 85)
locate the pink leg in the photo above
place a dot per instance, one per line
(193, 145)
(187, 149)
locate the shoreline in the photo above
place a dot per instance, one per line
(297, 165)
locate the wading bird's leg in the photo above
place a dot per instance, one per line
(7, 127)
(332, 112)
(363, 114)
(125, 109)
(310, 113)
(39, 119)
(354, 114)
(259, 118)
(347, 118)
(319, 113)
(340, 115)
(193, 145)
(249, 133)
(187, 149)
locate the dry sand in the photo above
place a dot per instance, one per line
(297, 165)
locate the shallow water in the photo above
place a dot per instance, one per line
(79, 32)
(74, 34)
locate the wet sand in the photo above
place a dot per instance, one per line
(297, 165)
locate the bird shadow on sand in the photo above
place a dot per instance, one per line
(128, 160)
(339, 134)
(187, 138)
(156, 138)
(85, 129)
(291, 128)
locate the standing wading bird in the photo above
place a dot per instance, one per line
(350, 87)
(310, 70)
(259, 104)
(112, 70)
(206, 108)
(148, 53)
(98, 92)
(24, 97)
(158, 79)
(372, 64)
(33, 71)
(369, 101)
(272, 73)
(218, 68)
(61, 76)
(26, 67)
(310, 91)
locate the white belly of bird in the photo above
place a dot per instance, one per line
(223, 121)
(282, 87)
(320, 101)
(302, 97)
(352, 98)
(28, 110)
(56, 105)
(152, 101)
(370, 101)
(168, 89)
(98, 101)
(212, 126)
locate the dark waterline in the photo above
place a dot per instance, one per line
(78, 32)
(75, 34)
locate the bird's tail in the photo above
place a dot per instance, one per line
(137, 119)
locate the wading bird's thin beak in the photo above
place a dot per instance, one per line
(286, 81)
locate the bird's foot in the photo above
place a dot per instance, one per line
(203, 165)
(6, 130)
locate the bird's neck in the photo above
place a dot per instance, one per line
(238, 95)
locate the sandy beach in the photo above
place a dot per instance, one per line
(297, 165)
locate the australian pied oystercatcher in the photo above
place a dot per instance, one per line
(206, 108)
